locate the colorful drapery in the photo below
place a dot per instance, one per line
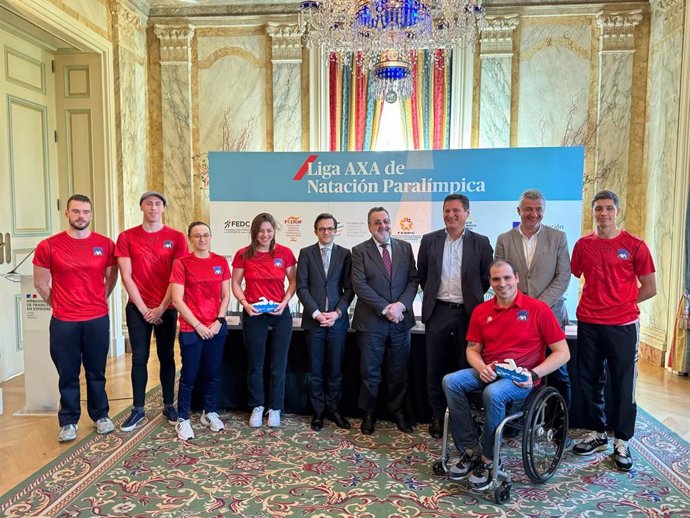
(426, 113)
(354, 113)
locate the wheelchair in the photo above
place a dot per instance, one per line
(542, 418)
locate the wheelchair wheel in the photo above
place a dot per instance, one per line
(544, 435)
(438, 468)
(502, 493)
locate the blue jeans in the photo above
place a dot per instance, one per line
(255, 333)
(495, 395)
(200, 355)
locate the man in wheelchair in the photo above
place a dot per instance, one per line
(511, 325)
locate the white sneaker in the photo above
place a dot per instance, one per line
(104, 425)
(257, 417)
(67, 433)
(274, 418)
(184, 429)
(212, 421)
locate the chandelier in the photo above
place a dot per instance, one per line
(383, 36)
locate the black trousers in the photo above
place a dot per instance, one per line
(383, 350)
(74, 343)
(140, 339)
(617, 345)
(326, 347)
(446, 347)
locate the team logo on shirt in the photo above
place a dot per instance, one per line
(97, 250)
(217, 270)
(167, 243)
(623, 254)
(278, 262)
(523, 314)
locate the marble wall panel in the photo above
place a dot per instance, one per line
(93, 11)
(133, 134)
(662, 139)
(494, 102)
(177, 137)
(287, 108)
(614, 125)
(554, 83)
(232, 94)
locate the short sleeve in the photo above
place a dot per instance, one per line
(474, 332)
(643, 263)
(42, 255)
(575, 261)
(549, 328)
(122, 246)
(112, 259)
(177, 276)
(238, 260)
(181, 248)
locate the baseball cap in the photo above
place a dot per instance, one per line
(153, 193)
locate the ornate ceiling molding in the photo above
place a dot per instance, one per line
(617, 31)
(497, 37)
(286, 42)
(175, 43)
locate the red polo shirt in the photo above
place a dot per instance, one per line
(203, 281)
(77, 270)
(521, 331)
(152, 255)
(611, 268)
(264, 274)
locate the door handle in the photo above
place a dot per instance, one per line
(5, 249)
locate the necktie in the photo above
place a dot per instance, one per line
(387, 259)
(325, 259)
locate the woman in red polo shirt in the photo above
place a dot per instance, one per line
(264, 265)
(201, 294)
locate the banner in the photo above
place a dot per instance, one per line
(411, 185)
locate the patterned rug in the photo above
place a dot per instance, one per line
(293, 471)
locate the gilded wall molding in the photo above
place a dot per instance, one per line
(673, 12)
(497, 37)
(175, 43)
(286, 43)
(617, 31)
(128, 25)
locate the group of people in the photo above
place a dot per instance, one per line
(465, 337)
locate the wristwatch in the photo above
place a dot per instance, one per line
(221, 319)
(535, 376)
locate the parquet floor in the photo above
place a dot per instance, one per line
(28, 443)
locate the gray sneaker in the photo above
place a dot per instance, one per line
(67, 433)
(467, 463)
(621, 455)
(104, 425)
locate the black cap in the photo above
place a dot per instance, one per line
(153, 193)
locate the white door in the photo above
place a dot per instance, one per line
(28, 177)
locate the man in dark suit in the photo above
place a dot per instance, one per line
(385, 280)
(454, 274)
(324, 287)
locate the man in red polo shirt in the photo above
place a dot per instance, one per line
(145, 255)
(511, 325)
(619, 274)
(74, 272)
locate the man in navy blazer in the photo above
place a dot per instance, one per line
(324, 287)
(384, 277)
(454, 274)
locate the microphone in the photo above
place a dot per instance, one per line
(11, 275)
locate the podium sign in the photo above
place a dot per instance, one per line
(40, 374)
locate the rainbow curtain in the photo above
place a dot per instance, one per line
(354, 113)
(426, 113)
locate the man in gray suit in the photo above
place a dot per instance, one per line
(324, 287)
(540, 254)
(454, 274)
(384, 277)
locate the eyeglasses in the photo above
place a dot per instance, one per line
(199, 236)
(326, 229)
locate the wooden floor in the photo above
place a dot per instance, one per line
(28, 443)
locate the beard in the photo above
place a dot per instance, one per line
(76, 225)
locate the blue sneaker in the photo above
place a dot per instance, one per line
(170, 413)
(135, 417)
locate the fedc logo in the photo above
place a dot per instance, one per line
(236, 226)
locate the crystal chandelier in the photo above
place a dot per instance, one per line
(383, 36)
